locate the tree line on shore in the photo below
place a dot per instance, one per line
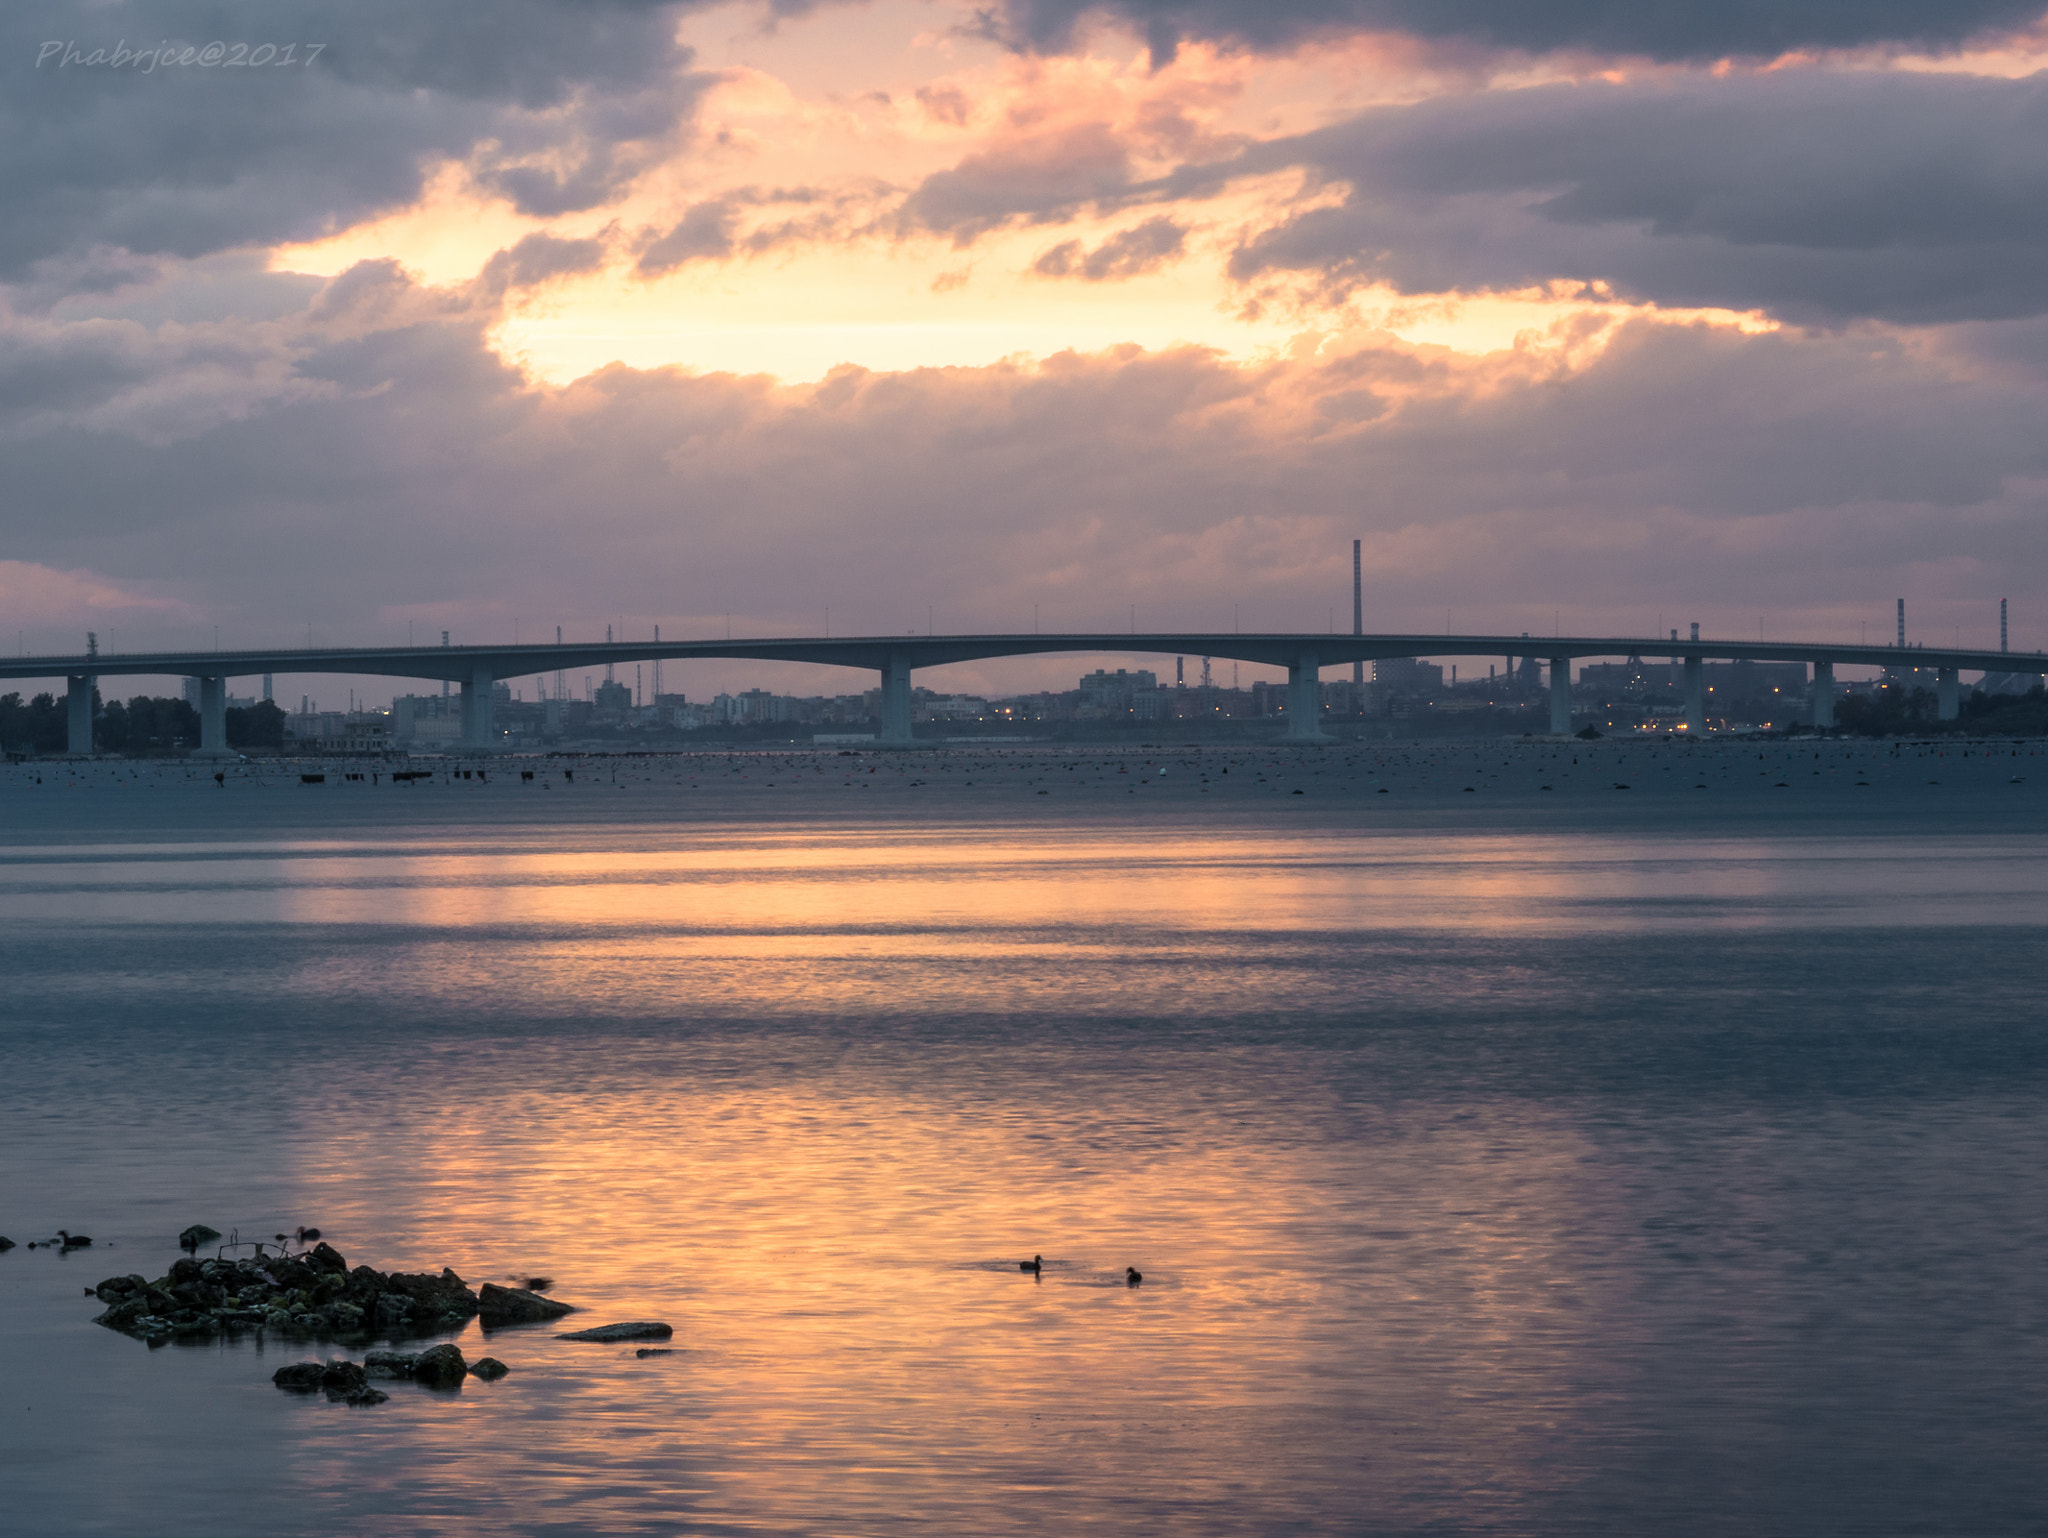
(145, 726)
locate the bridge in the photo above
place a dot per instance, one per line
(477, 668)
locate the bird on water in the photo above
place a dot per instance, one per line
(73, 1241)
(1034, 1265)
(1133, 1276)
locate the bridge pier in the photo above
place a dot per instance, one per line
(1696, 696)
(1823, 695)
(1305, 699)
(213, 717)
(895, 723)
(476, 710)
(1560, 696)
(1948, 693)
(78, 714)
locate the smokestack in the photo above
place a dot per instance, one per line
(1695, 630)
(1357, 609)
(607, 666)
(2001, 626)
(1902, 622)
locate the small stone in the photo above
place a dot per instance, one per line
(300, 1377)
(654, 1351)
(6, 1244)
(197, 1235)
(440, 1366)
(643, 1329)
(390, 1364)
(517, 1305)
(365, 1395)
(489, 1368)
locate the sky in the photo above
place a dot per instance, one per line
(398, 316)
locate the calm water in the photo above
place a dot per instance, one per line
(1502, 1161)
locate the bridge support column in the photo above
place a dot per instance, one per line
(78, 714)
(1696, 696)
(1560, 696)
(1948, 693)
(1823, 695)
(895, 724)
(1305, 700)
(477, 734)
(213, 717)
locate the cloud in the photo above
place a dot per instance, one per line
(1141, 249)
(1673, 466)
(558, 101)
(703, 233)
(1699, 31)
(1814, 195)
(539, 258)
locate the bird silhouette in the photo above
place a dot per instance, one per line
(72, 1241)
(1133, 1276)
(1034, 1265)
(308, 1235)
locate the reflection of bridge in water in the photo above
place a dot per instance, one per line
(477, 668)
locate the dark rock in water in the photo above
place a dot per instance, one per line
(489, 1368)
(644, 1329)
(300, 1377)
(197, 1235)
(344, 1382)
(516, 1305)
(440, 1366)
(538, 1283)
(442, 1299)
(654, 1351)
(325, 1257)
(344, 1377)
(6, 1244)
(390, 1364)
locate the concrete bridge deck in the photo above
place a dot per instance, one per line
(1303, 655)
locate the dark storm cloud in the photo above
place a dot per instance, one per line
(182, 161)
(1670, 30)
(1816, 196)
(1141, 249)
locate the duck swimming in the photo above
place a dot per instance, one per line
(1034, 1265)
(73, 1241)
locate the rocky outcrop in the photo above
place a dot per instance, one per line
(315, 1293)
(6, 1244)
(644, 1329)
(516, 1305)
(489, 1368)
(197, 1235)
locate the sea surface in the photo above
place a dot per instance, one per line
(1504, 1151)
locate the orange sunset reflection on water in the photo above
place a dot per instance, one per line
(855, 1342)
